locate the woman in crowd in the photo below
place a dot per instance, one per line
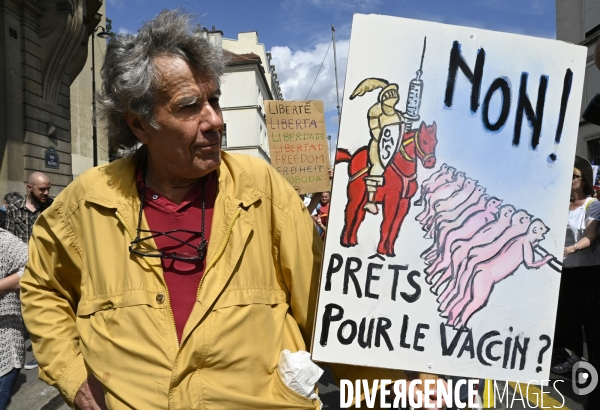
(578, 300)
(13, 256)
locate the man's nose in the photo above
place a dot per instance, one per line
(211, 118)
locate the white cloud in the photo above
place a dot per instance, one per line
(297, 70)
(349, 5)
(124, 30)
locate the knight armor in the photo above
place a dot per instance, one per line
(387, 126)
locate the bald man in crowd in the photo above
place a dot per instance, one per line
(22, 214)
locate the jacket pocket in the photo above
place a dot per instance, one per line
(247, 330)
(243, 297)
(130, 298)
(123, 331)
(290, 395)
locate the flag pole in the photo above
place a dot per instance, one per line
(337, 94)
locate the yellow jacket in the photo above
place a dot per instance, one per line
(93, 307)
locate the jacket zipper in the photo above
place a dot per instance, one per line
(130, 232)
(220, 251)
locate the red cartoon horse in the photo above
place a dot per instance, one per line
(400, 186)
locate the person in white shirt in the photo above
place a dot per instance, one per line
(13, 256)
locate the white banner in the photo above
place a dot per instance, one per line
(446, 258)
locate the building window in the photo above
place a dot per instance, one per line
(260, 136)
(224, 139)
(594, 155)
(591, 17)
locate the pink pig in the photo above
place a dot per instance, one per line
(442, 192)
(453, 214)
(487, 274)
(447, 225)
(425, 185)
(454, 201)
(460, 249)
(466, 230)
(519, 223)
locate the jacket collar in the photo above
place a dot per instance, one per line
(115, 186)
(235, 182)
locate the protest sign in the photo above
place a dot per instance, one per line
(449, 205)
(298, 143)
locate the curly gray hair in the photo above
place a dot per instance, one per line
(130, 79)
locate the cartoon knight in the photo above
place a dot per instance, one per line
(387, 126)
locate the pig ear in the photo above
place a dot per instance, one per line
(423, 126)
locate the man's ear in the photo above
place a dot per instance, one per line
(138, 126)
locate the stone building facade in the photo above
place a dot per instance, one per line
(244, 89)
(82, 149)
(246, 43)
(578, 22)
(248, 81)
(43, 47)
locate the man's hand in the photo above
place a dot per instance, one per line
(90, 395)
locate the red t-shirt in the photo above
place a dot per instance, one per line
(182, 277)
(323, 212)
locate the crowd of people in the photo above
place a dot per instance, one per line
(17, 218)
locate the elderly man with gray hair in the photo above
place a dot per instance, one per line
(175, 277)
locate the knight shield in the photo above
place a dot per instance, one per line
(388, 143)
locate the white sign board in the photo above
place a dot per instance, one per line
(450, 198)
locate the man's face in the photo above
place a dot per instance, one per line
(187, 143)
(324, 198)
(40, 190)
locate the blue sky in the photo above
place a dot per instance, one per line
(298, 32)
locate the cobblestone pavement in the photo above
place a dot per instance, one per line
(30, 393)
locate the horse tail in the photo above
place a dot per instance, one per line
(342, 155)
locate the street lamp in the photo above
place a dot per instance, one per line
(102, 34)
